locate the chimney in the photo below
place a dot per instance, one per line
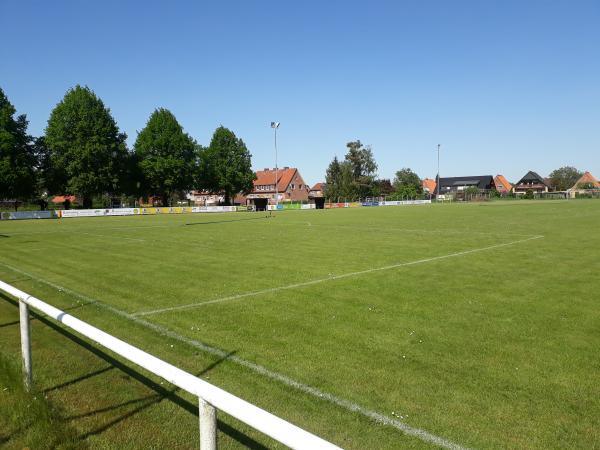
(285, 168)
(266, 169)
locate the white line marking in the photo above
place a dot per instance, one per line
(343, 403)
(322, 280)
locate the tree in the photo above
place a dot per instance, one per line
(87, 151)
(332, 179)
(564, 178)
(17, 159)
(364, 167)
(384, 186)
(226, 165)
(165, 156)
(407, 180)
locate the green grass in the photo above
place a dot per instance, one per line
(27, 419)
(494, 345)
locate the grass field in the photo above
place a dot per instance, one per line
(473, 326)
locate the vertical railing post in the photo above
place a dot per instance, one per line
(208, 425)
(25, 343)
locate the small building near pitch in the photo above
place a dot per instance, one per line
(531, 181)
(286, 183)
(316, 194)
(502, 184)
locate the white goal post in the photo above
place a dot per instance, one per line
(210, 397)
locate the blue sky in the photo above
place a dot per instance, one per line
(504, 86)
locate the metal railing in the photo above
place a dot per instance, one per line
(210, 397)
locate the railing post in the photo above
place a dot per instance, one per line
(25, 343)
(208, 425)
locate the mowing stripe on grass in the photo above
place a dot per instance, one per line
(331, 278)
(341, 402)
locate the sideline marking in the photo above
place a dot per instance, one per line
(341, 402)
(335, 277)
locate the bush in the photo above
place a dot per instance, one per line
(528, 194)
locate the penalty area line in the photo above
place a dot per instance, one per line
(331, 278)
(403, 427)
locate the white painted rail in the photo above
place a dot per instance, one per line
(211, 398)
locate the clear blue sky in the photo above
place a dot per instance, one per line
(504, 86)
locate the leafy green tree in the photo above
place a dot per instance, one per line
(226, 165)
(87, 151)
(564, 178)
(165, 155)
(364, 167)
(408, 181)
(17, 159)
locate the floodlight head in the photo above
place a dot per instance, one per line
(274, 124)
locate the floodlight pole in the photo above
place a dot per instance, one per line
(438, 173)
(275, 125)
(276, 172)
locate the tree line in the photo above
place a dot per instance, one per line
(355, 177)
(83, 153)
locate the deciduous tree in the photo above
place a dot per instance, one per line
(17, 159)
(165, 156)
(564, 178)
(87, 151)
(226, 165)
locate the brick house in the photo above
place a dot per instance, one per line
(290, 187)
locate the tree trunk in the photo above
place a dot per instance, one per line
(164, 199)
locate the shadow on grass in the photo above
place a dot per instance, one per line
(162, 393)
(225, 221)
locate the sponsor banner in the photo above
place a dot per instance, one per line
(405, 202)
(83, 213)
(308, 206)
(244, 208)
(21, 215)
(275, 207)
(213, 209)
(354, 205)
(121, 212)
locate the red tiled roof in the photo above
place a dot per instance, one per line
(429, 184)
(267, 178)
(62, 198)
(587, 178)
(500, 180)
(318, 187)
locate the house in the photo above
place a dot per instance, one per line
(453, 185)
(586, 182)
(532, 181)
(502, 184)
(428, 186)
(290, 187)
(206, 198)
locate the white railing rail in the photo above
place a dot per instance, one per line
(210, 397)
